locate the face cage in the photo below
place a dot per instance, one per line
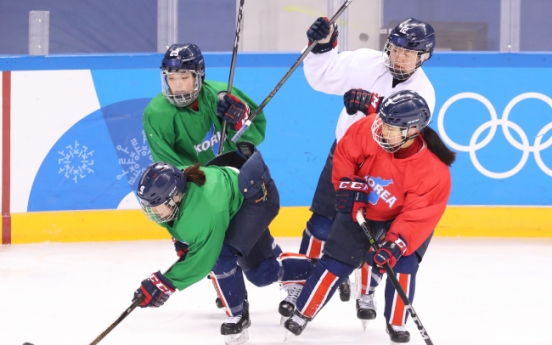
(377, 134)
(185, 99)
(407, 71)
(163, 213)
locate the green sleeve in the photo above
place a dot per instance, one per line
(202, 254)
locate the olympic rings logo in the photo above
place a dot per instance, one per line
(506, 124)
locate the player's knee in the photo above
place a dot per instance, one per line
(227, 260)
(315, 235)
(336, 267)
(319, 226)
(265, 273)
(295, 267)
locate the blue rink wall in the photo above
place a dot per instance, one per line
(493, 109)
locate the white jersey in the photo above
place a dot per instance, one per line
(336, 74)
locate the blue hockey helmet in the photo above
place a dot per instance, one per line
(182, 58)
(160, 190)
(407, 112)
(410, 35)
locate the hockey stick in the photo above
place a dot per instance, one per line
(286, 76)
(119, 319)
(125, 313)
(231, 77)
(375, 246)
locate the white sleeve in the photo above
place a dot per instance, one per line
(336, 73)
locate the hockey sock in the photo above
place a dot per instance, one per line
(315, 235)
(328, 274)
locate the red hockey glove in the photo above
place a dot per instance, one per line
(351, 196)
(157, 289)
(181, 248)
(231, 109)
(392, 248)
(361, 100)
(325, 34)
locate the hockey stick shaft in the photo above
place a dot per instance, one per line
(119, 319)
(232, 68)
(129, 310)
(286, 77)
(375, 246)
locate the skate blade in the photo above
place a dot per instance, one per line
(236, 339)
(286, 334)
(283, 320)
(364, 324)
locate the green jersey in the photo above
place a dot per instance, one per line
(183, 136)
(204, 216)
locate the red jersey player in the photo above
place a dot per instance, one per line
(395, 169)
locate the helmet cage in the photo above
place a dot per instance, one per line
(164, 212)
(183, 99)
(405, 70)
(389, 141)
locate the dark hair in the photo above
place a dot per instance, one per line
(194, 174)
(437, 146)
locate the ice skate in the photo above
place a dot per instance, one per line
(234, 328)
(398, 334)
(366, 309)
(296, 323)
(287, 306)
(345, 291)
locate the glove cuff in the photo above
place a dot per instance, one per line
(397, 242)
(321, 48)
(162, 283)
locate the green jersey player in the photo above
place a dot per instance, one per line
(183, 123)
(219, 216)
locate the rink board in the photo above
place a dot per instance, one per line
(118, 225)
(72, 156)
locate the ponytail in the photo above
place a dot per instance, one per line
(195, 174)
(438, 147)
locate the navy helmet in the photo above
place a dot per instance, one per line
(160, 190)
(412, 35)
(405, 110)
(182, 58)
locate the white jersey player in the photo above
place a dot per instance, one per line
(364, 77)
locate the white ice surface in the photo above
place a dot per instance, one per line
(469, 292)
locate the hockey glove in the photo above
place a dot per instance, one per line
(181, 248)
(351, 196)
(324, 33)
(231, 109)
(392, 248)
(361, 100)
(157, 289)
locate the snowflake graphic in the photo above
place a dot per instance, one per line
(76, 161)
(137, 159)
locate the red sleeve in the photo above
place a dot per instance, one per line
(424, 207)
(352, 150)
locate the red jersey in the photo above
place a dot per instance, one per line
(414, 191)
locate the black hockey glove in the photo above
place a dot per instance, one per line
(361, 100)
(181, 248)
(351, 196)
(157, 289)
(231, 109)
(324, 33)
(390, 251)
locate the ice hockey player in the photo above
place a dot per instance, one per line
(364, 77)
(220, 215)
(399, 178)
(183, 123)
